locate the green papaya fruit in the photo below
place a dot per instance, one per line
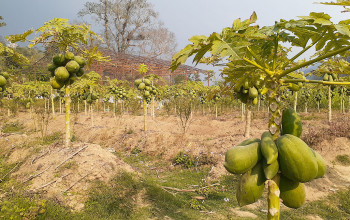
(249, 141)
(296, 160)
(293, 87)
(291, 123)
(2, 81)
(255, 101)
(141, 86)
(240, 159)
(325, 77)
(147, 82)
(270, 170)
(253, 92)
(292, 192)
(330, 78)
(61, 74)
(251, 186)
(268, 147)
(59, 60)
(321, 164)
(5, 74)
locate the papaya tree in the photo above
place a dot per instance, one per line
(67, 38)
(251, 53)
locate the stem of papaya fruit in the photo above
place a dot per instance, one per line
(274, 128)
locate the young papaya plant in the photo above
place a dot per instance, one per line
(65, 67)
(251, 53)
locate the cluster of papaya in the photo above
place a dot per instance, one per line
(146, 88)
(288, 161)
(90, 96)
(216, 97)
(331, 77)
(119, 92)
(294, 87)
(248, 94)
(65, 68)
(192, 94)
(3, 81)
(202, 100)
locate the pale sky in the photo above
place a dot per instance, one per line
(183, 17)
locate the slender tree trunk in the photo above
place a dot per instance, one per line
(318, 106)
(259, 103)
(248, 119)
(92, 115)
(144, 115)
(60, 105)
(153, 107)
(329, 104)
(216, 110)
(295, 101)
(53, 104)
(68, 127)
(242, 108)
(78, 105)
(306, 107)
(85, 104)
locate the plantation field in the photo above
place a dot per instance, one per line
(115, 170)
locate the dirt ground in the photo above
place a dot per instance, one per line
(64, 173)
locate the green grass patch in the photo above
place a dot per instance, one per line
(14, 127)
(343, 159)
(51, 138)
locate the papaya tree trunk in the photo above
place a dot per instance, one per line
(318, 106)
(144, 115)
(306, 107)
(295, 101)
(68, 127)
(248, 119)
(92, 115)
(274, 128)
(329, 104)
(52, 104)
(78, 110)
(85, 104)
(259, 102)
(60, 105)
(216, 110)
(242, 111)
(153, 107)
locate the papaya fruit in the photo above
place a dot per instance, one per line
(255, 101)
(249, 141)
(291, 123)
(61, 74)
(69, 56)
(147, 82)
(72, 66)
(137, 82)
(80, 60)
(2, 81)
(321, 164)
(293, 87)
(251, 186)
(270, 170)
(240, 159)
(268, 147)
(296, 160)
(80, 72)
(291, 192)
(141, 86)
(55, 84)
(5, 74)
(325, 77)
(59, 60)
(253, 92)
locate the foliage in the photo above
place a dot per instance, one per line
(343, 159)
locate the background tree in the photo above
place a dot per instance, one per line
(131, 26)
(2, 23)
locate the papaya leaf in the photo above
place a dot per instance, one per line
(19, 37)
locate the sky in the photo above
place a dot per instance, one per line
(185, 18)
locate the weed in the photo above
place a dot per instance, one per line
(136, 150)
(13, 127)
(343, 159)
(184, 160)
(196, 205)
(129, 131)
(52, 138)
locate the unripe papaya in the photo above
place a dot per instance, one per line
(251, 186)
(253, 92)
(240, 159)
(141, 86)
(293, 87)
(296, 160)
(268, 147)
(292, 192)
(322, 166)
(291, 123)
(325, 77)
(249, 141)
(270, 170)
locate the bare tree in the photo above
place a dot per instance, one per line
(159, 42)
(2, 23)
(131, 26)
